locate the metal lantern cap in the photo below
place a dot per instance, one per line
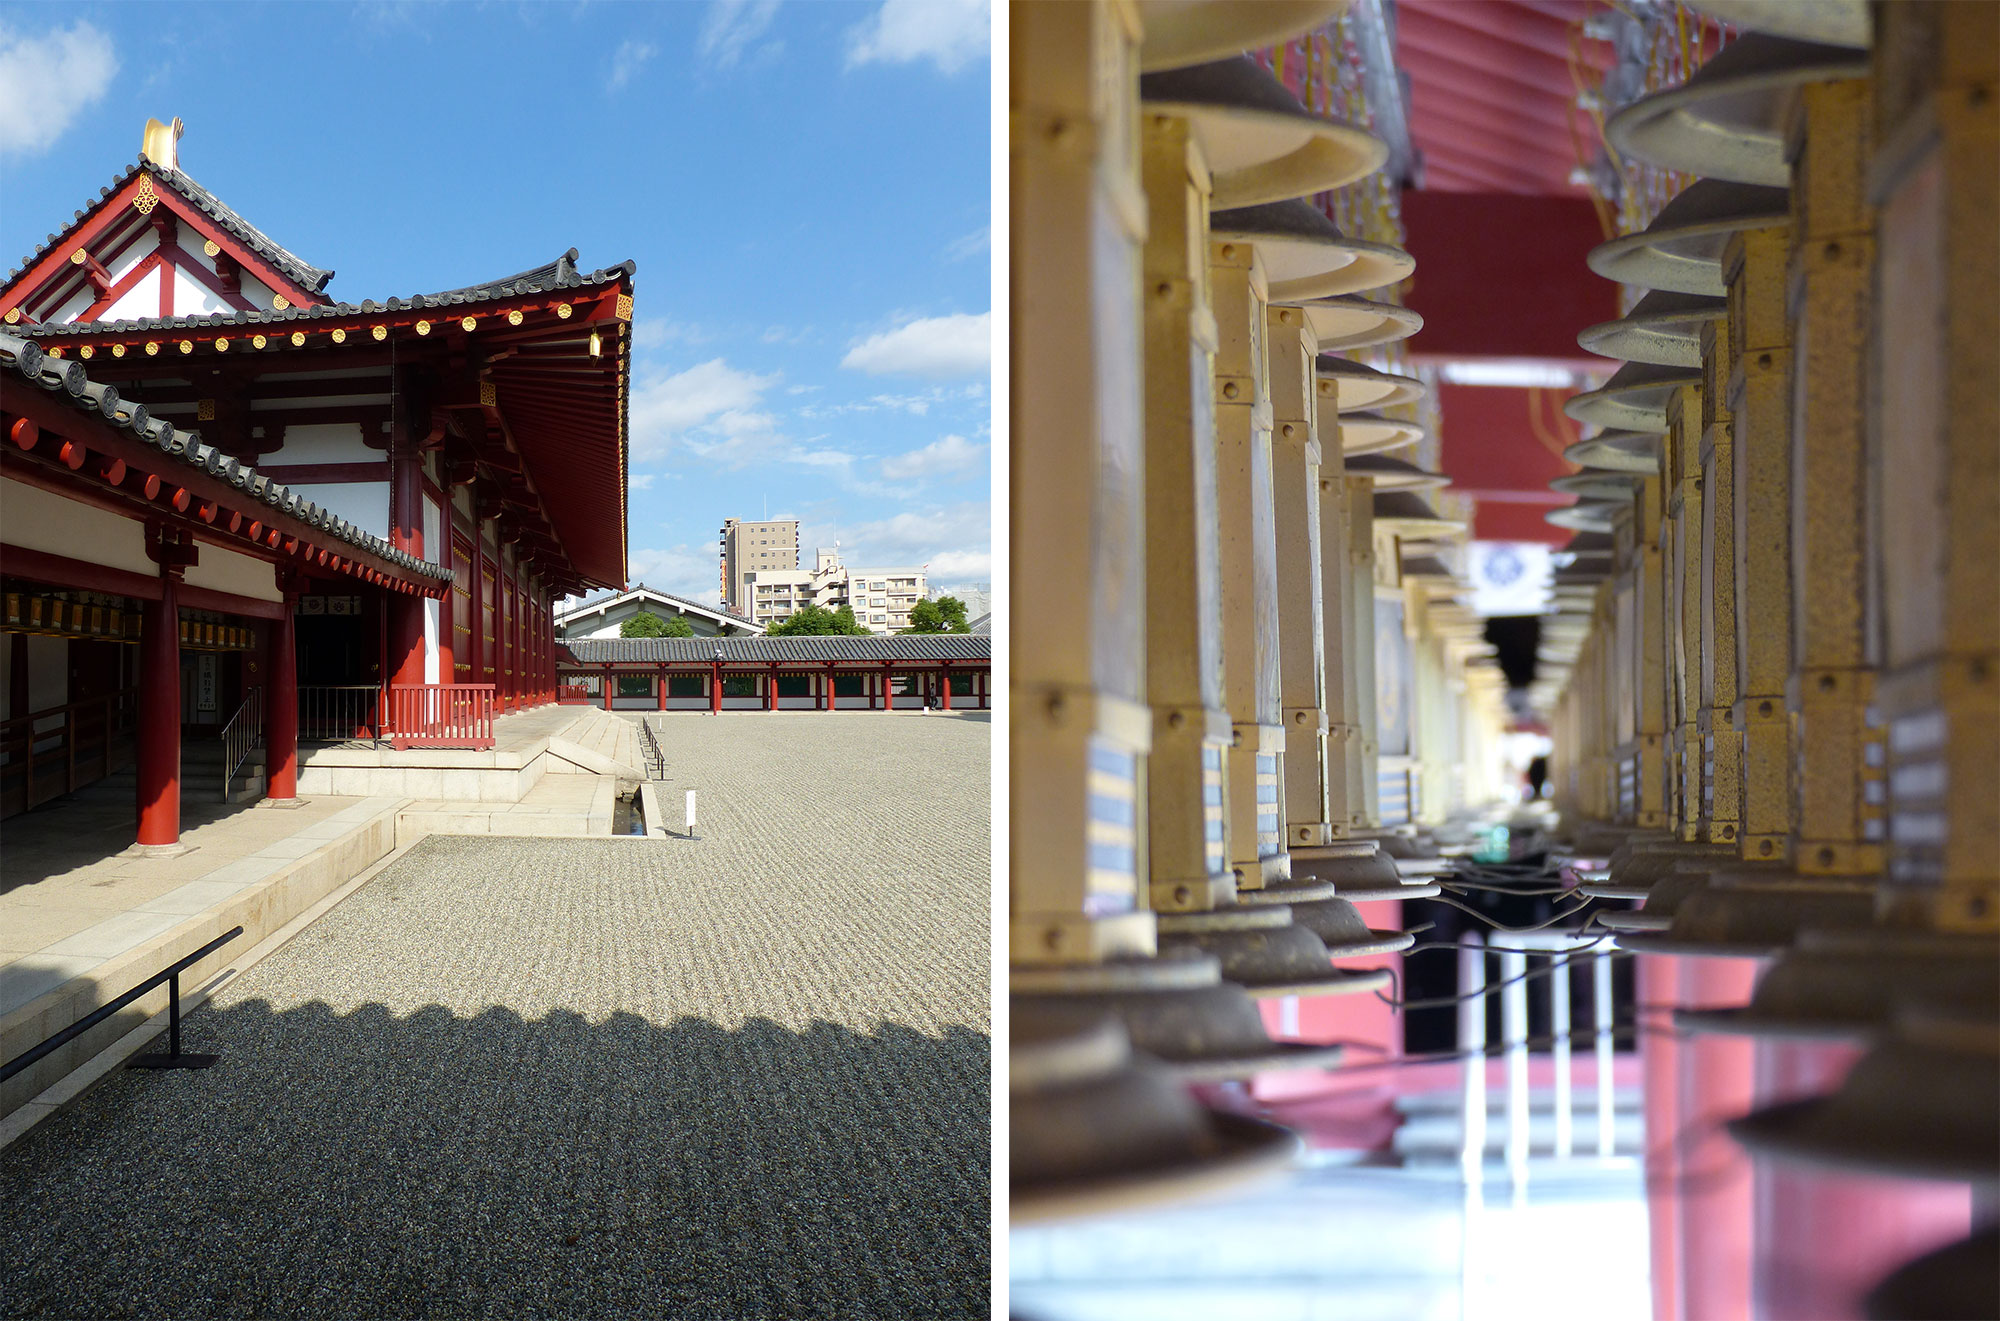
(1586, 516)
(1598, 485)
(1729, 120)
(1830, 22)
(1305, 255)
(1356, 385)
(1393, 474)
(1634, 399)
(1682, 249)
(1405, 512)
(1261, 144)
(1619, 451)
(1664, 328)
(1352, 322)
(1844, 983)
(1371, 433)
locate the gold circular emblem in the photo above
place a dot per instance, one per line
(152, 348)
(258, 341)
(117, 350)
(564, 311)
(85, 352)
(381, 332)
(281, 302)
(187, 346)
(514, 317)
(467, 323)
(340, 337)
(222, 344)
(298, 338)
(423, 327)
(212, 248)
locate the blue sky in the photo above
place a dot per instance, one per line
(804, 185)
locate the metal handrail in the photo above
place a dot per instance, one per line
(656, 759)
(339, 712)
(171, 974)
(242, 735)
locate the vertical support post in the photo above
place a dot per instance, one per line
(610, 684)
(159, 768)
(1363, 761)
(715, 688)
(944, 681)
(281, 719)
(1296, 458)
(1249, 555)
(771, 688)
(660, 685)
(1187, 828)
(1472, 1048)
(1721, 805)
(826, 693)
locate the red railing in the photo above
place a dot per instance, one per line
(571, 694)
(440, 715)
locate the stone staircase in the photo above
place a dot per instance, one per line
(201, 773)
(600, 743)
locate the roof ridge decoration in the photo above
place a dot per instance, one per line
(636, 589)
(68, 380)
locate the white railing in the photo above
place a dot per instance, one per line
(243, 735)
(1568, 950)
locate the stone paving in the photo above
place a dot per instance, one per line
(743, 1076)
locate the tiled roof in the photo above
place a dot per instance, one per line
(67, 380)
(686, 602)
(301, 274)
(877, 647)
(556, 275)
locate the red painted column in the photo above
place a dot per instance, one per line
(1717, 1083)
(1658, 983)
(281, 710)
(660, 686)
(607, 687)
(826, 697)
(771, 690)
(944, 679)
(888, 696)
(159, 769)
(715, 688)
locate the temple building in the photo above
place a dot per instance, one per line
(231, 503)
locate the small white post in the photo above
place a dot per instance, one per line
(1559, 1027)
(690, 814)
(1472, 1045)
(1514, 1031)
(1600, 978)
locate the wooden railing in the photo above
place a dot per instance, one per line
(339, 714)
(573, 693)
(46, 754)
(440, 715)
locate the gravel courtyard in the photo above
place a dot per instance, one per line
(740, 1077)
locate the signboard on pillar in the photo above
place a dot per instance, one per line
(205, 700)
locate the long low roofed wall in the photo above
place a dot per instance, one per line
(882, 672)
(973, 649)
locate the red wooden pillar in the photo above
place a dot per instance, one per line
(944, 681)
(771, 689)
(607, 688)
(159, 770)
(715, 687)
(281, 709)
(826, 697)
(660, 685)
(888, 695)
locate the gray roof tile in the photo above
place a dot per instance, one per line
(876, 647)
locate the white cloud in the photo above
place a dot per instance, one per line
(641, 481)
(957, 345)
(630, 57)
(684, 570)
(955, 541)
(941, 458)
(969, 245)
(711, 394)
(731, 26)
(949, 33)
(45, 81)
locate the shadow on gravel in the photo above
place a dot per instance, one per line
(366, 1165)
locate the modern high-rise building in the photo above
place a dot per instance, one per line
(762, 547)
(880, 598)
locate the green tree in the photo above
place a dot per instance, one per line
(944, 615)
(646, 624)
(818, 621)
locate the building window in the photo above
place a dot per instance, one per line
(961, 685)
(687, 685)
(739, 685)
(795, 685)
(848, 685)
(635, 685)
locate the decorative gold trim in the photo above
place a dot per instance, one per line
(489, 395)
(56, 352)
(467, 323)
(298, 338)
(13, 315)
(624, 307)
(222, 343)
(563, 312)
(423, 327)
(145, 199)
(514, 317)
(85, 352)
(380, 332)
(152, 348)
(339, 336)
(211, 247)
(204, 411)
(258, 341)
(117, 350)
(78, 257)
(280, 302)
(187, 346)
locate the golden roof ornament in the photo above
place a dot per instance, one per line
(161, 144)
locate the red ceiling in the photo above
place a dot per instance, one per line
(1493, 93)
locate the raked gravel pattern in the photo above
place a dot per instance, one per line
(740, 1077)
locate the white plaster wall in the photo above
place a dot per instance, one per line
(193, 298)
(364, 504)
(34, 519)
(256, 292)
(329, 442)
(141, 300)
(142, 247)
(227, 571)
(78, 304)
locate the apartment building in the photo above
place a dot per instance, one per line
(880, 598)
(769, 546)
